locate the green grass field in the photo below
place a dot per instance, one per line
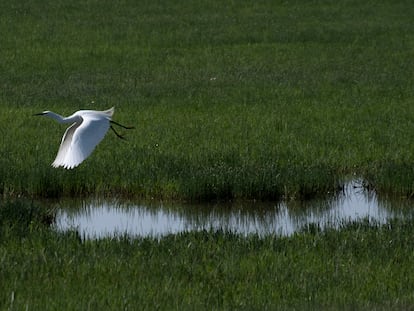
(361, 266)
(229, 100)
(233, 100)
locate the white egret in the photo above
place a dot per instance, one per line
(80, 139)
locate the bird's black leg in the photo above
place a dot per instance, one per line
(125, 127)
(120, 136)
(120, 125)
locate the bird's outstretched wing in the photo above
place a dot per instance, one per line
(80, 140)
(65, 145)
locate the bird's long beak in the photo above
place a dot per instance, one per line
(39, 114)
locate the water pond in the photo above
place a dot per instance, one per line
(97, 218)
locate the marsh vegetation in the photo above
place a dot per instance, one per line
(231, 101)
(253, 100)
(362, 265)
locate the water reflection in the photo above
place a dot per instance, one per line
(95, 219)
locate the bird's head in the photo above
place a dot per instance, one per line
(42, 113)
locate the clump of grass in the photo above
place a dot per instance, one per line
(393, 178)
(21, 217)
(362, 265)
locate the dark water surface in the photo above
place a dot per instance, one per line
(97, 218)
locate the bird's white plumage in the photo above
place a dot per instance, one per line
(80, 139)
(65, 145)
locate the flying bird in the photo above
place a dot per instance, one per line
(86, 132)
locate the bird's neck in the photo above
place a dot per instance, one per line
(61, 119)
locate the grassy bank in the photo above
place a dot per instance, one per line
(361, 266)
(229, 100)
